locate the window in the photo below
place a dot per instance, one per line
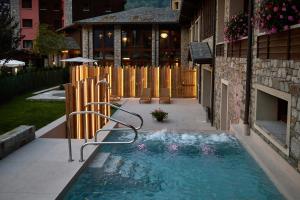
(27, 23)
(169, 45)
(176, 5)
(103, 44)
(272, 116)
(26, 4)
(27, 44)
(86, 7)
(136, 45)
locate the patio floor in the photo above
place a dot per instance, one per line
(183, 114)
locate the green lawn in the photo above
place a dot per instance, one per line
(19, 111)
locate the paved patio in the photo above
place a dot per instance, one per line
(184, 114)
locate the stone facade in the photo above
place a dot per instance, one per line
(68, 16)
(280, 75)
(184, 47)
(87, 42)
(117, 45)
(232, 70)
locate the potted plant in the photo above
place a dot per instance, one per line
(277, 16)
(236, 27)
(159, 115)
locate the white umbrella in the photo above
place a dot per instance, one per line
(11, 63)
(79, 60)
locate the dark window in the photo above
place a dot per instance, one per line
(103, 44)
(56, 6)
(86, 7)
(27, 44)
(43, 5)
(169, 46)
(136, 45)
(26, 4)
(27, 23)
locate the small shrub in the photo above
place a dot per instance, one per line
(159, 115)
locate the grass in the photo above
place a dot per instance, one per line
(19, 111)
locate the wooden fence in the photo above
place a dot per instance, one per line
(78, 94)
(124, 82)
(129, 81)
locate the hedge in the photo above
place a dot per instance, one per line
(12, 86)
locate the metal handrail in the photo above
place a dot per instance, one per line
(97, 143)
(118, 108)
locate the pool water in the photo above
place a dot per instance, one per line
(166, 165)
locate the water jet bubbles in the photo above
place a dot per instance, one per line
(207, 149)
(141, 147)
(173, 147)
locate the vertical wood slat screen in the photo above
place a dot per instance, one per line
(81, 92)
(284, 45)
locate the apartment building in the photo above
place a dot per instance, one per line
(253, 81)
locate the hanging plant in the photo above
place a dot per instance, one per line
(236, 27)
(278, 15)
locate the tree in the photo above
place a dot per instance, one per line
(9, 34)
(48, 41)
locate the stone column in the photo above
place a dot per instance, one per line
(117, 45)
(155, 45)
(87, 42)
(68, 16)
(184, 47)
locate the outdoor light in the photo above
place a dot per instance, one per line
(109, 34)
(126, 58)
(124, 39)
(164, 35)
(100, 36)
(65, 51)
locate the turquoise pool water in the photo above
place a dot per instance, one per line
(165, 165)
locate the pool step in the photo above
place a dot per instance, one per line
(113, 164)
(99, 160)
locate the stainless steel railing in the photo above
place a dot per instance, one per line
(85, 135)
(118, 108)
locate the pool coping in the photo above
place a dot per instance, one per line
(281, 173)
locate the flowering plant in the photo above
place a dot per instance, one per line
(236, 27)
(159, 115)
(278, 15)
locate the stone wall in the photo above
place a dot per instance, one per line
(87, 42)
(282, 75)
(232, 70)
(117, 45)
(68, 12)
(184, 47)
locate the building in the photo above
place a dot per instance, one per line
(253, 82)
(57, 13)
(141, 36)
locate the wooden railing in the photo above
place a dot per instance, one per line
(284, 45)
(237, 48)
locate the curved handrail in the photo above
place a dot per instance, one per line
(96, 143)
(118, 108)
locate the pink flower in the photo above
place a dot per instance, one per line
(290, 18)
(274, 30)
(286, 27)
(269, 17)
(275, 9)
(283, 9)
(294, 7)
(173, 147)
(281, 16)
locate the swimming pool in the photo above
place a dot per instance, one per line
(168, 165)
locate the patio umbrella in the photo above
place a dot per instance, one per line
(11, 63)
(79, 60)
